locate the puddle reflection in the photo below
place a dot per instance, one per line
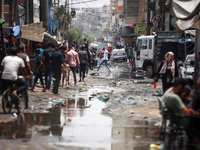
(80, 126)
(133, 134)
(116, 75)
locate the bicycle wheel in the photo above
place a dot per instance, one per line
(21, 103)
(7, 101)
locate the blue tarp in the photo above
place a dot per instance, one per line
(16, 32)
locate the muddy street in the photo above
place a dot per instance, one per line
(110, 111)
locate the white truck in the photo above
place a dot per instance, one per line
(150, 51)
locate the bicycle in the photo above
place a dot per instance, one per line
(9, 99)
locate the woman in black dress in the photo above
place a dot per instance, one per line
(169, 71)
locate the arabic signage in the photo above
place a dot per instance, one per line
(141, 29)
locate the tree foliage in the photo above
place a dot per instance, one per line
(59, 15)
(106, 32)
(77, 35)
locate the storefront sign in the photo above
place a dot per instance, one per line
(141, 29)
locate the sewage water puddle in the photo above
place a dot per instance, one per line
(80, 125)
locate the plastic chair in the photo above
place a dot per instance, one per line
(165, 117)
(178, 132)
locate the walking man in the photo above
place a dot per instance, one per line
(47, 58)
(73, 61)
(105, 60)
(88, 53)
(57, 61)
(26, 60)
(39, 68)
(83, 58)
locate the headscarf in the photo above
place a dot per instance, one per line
(170, 65)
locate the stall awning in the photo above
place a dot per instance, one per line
(187, 13)
(127, 31)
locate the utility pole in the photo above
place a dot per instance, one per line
(148, 16)
(0, 8)
(56, 5)
(10, 13)
(44, 13)
(163, 15)
(16, 13)
(64, 19)
(30, 11)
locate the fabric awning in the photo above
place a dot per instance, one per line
(187, 13)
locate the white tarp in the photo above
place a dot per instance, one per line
(187, 12)
(33, 32)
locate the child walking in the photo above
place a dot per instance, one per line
(66, 71)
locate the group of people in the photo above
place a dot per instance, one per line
(176, 91)
(53, 62)
(179, 96)
(58, 61)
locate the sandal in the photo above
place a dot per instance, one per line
(31, 89)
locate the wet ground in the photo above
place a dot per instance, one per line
(105, 113)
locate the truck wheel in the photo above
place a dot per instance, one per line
(149, 71)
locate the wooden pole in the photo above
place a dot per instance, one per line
(64, 19)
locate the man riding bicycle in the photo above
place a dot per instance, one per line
(9, 69)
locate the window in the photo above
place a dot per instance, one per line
(142, 44)
(150, 44)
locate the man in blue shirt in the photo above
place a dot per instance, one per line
(47, 59)
(57, 61)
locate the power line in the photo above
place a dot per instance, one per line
(83, 2)
(86, 4)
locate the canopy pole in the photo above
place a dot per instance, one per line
(197, 58)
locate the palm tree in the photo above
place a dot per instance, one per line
(61, 15)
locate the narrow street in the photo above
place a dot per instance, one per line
(141, 92)
(106, 112)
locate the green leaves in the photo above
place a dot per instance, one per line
(77, 35)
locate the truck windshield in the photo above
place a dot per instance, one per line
(142, 44)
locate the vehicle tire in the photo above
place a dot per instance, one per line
(21, 102)
(149, 71)
(7, 101)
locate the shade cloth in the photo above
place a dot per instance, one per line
(187, 12)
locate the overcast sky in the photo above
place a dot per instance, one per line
(95, 3)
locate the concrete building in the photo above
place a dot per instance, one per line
(116, 19)
(93, 20)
